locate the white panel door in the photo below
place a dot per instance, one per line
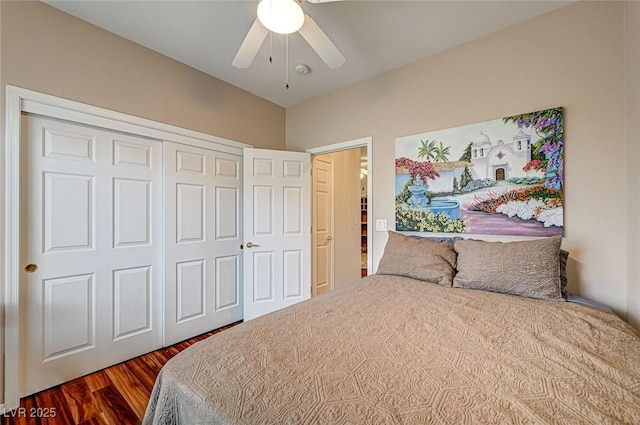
(202, 240)
(92, 250)
(323, 264)
(276, 257)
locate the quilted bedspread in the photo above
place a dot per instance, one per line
(394, 350)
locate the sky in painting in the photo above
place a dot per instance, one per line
(458, 137)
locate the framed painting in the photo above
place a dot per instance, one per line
(498, 177)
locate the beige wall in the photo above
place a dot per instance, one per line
(2, 157)
(346, 235)
(572, 57)
(632, 91)
(49, 51)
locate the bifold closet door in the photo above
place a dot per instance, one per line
(91, 248)
(202, 240)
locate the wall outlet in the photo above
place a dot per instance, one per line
(381, 225)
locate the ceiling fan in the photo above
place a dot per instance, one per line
(287, 17)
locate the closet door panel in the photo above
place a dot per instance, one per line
(202, 240)
(190, 213)
(91, 232)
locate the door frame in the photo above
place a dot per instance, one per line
(353, 144)
(17, 101)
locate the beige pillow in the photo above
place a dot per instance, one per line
(527, 268)
(417, 258)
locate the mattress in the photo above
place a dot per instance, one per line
(393, 350)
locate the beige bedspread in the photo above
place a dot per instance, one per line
(393, 350)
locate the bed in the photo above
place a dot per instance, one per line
(399, 349)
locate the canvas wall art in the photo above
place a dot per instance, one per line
(498, 177)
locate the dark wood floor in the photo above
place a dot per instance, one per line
(117, 395)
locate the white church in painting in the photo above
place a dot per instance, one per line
(499, 161)
(502, 160)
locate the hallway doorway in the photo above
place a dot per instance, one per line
(340, 216)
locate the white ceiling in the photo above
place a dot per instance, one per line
(374, 36)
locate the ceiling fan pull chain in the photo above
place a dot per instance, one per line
(286, 60)
(270, 47)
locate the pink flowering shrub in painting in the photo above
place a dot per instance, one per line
(417, 169)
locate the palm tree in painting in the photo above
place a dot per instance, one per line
(441, 153)
(427, 149)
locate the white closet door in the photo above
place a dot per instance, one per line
(277, 230)
(202, 240)
(91, 246)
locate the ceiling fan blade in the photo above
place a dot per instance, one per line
(250, 46)
(319, 41)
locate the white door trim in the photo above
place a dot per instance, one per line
(11, 247)
(18, 100)
(351, 144)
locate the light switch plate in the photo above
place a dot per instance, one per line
(381, 225)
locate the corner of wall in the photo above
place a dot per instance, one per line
(632, 132)
(2, 156)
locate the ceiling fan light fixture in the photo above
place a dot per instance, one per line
(281, 16)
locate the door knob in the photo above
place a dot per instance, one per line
(31, 268)
(329, 237)
(251, 245)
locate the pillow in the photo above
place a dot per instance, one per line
(527, 268)
(417, 258)
(440, 238)
(564, 255)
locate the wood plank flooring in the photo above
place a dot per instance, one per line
(117, 395)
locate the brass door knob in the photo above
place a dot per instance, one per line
(31, 268)
(329, 237)
(251, 245)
